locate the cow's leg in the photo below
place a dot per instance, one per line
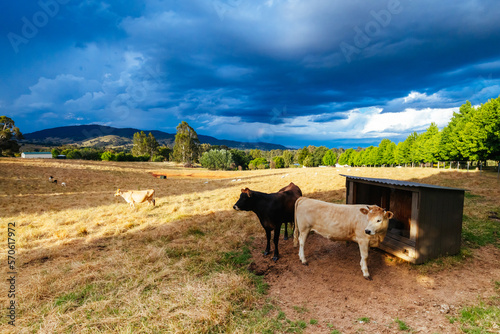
(268, 238)
(286, 232)
(276, 240)
(302, 240)
(363, 249)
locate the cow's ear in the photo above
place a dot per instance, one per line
(247, 191)
(364, 211)
(389, 214)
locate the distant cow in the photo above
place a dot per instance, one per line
(272, 210)
(52, 180)
(137, 196)
(291, 205)
(366, 225)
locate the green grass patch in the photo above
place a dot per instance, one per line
(77, 298)
(444, 262)
(477, 233)
(195, 232)
(364, 320)
(237, 258)
(470, 195)
(300, 309)
(402, 325)
(313, 322)
(259, 321)
(482, 318)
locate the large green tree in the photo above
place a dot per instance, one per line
(381, 153)
(330, 158)
(426, 145)
(345, 157)
(9, 135)
(186, 144)
(479, 135)
(318, 154)
(302, 154)
(288, 157)
(144, 145)
(451, 145)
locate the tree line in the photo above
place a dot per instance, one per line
(473, 134)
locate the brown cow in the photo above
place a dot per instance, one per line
(366, 225)
(291, 205)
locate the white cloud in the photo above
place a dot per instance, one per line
(365, 123)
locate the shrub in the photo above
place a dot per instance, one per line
(55, 152)
(260, 163)
(122, 156)
(158, 158)
(74, 154)
(279, 162)
(217, 159)
(308, 161)
(90, 154)
(144, 157)
(108, 156)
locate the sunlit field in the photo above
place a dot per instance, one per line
(88, 262)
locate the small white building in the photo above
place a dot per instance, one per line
(37, 155)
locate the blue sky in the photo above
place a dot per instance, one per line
(334, 73)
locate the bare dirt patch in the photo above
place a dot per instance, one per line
(332, 290)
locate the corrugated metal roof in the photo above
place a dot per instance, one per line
(37, 152)
(399, 183)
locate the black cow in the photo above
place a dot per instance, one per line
(291, 206)
(272, 210)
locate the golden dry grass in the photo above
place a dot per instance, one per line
(87, 262)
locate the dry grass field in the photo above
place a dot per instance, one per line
(87, 262)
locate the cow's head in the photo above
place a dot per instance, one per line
(378, 219)
(244, 203)
(118, 192)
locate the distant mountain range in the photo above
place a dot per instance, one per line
(101, 136)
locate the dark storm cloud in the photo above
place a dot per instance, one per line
(278, 69)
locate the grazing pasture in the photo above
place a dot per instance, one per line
(88, 262)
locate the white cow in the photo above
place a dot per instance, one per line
(137, 196)
(366, 225)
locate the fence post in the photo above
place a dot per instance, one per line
(468, 164)
(458, 165)
(498, 172)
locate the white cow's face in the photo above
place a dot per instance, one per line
(378, 219)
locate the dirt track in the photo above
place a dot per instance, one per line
(332, 290)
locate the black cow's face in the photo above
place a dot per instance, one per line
(244, 203)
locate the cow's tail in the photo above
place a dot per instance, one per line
(295, 227)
